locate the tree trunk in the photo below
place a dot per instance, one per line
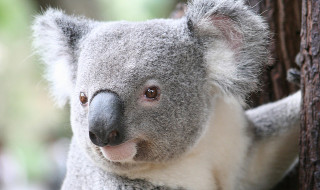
(309, 170)
(284, 18)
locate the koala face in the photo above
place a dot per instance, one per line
(142, 92)
(128, 60)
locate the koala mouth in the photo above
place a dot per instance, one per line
(120, 153)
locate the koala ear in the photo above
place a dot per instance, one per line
(208, 19)
(236, 42)
(56, 39)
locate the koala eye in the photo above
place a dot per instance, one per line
(83, 98)
(152, 93)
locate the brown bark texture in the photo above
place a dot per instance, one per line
(309, 169)
(284, 19)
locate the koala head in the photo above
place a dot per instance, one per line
(142, 92)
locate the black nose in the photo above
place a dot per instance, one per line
(105, 119)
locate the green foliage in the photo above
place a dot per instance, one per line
(26, 112)
(137, 10)
(14, 18)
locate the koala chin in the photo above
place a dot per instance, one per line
(159, 104)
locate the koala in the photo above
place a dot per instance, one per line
(159, 104)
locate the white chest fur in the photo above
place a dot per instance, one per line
(215, 162)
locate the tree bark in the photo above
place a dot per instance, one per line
(283, 17)
(309, 169)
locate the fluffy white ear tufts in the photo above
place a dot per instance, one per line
(56, 39)
(236, 40)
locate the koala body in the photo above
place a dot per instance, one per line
(159, 104)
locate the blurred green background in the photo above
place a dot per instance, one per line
(34, 134)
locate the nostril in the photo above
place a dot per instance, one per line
(112, 139)
(96, 140)
(92, 136)
(113, 136)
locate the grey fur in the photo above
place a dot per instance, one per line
(293, 75)
(274, 118)
(126, 57)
